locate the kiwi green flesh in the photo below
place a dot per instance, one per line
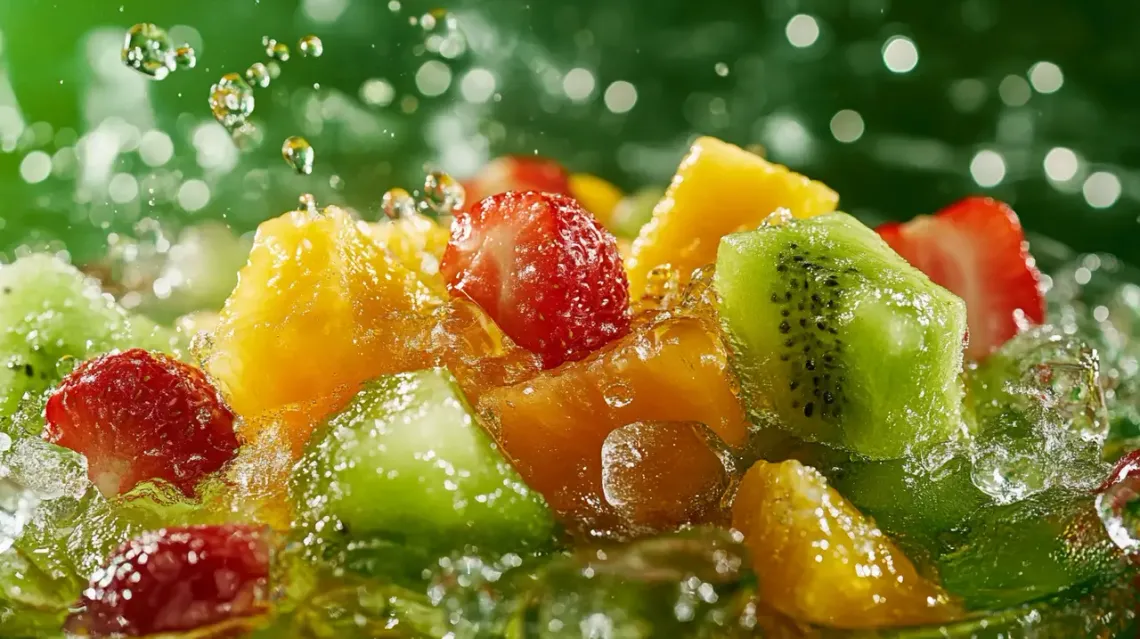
(406, 464)
(838, 339)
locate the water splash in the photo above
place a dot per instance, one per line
(311, 46)
(231, 101)
(398, 203)
(298, 154)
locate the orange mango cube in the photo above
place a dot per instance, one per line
(719, 189)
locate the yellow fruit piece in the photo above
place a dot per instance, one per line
(319, 309)
(719, 189)
(822, 561)
(598, 196)
(417, 242)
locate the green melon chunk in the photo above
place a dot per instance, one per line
(838, 340)
(406, 469)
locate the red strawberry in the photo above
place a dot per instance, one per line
(976, 249)
(544, 269)
(139, 416)
(177, 579)
(517, 173)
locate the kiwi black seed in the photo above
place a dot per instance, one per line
(809, 293)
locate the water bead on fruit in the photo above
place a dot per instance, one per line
(298, 154)
(258, 75)
(311, 46)
(148, 49)
(185, 57)
(398, 203)
(444, 193)
(231, 101)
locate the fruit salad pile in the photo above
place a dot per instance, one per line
(724, 409)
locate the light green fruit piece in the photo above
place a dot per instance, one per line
(51, 318)
(406, 466)
(839, 340)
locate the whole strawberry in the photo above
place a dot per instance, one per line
(137, 416)
(544, 269)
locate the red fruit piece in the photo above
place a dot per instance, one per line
(1127, 466)
(977, 250)
(517, 173)
(177, 579)
(544, 269)
(137, 416)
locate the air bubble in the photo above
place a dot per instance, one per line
(444, 193)
(231, 101)
(398, 203)
(258, 75)
(311, 46)
(148, 49)
(298, 154)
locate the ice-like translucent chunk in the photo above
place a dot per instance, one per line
(17, 504)
(1039, 416)
(676, 585)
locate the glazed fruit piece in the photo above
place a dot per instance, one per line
(517, 173)
(417, 242)
(178, 579)
(838, 340)
(411, 440)
(138, 415)
(50, 315)
(596, 195)
(319, 309)
(823, 562)
(718, 189)
(976, 248)
(553, 426)
(542, 268)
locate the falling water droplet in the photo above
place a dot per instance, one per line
(258, 75)
(276, 50)
(444, 193)
(148, 49)
(299, 154)
(185, 57)
(231, 101)
(311, 46)
(308, 203)
(398, 203)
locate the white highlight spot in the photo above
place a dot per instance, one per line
(193, 195)
(477, 85)
(377, 92)
(1101, 189)
(1046, 77)
(987, 168)
(155, 148)
(433, 78)
(1014, 90)
(900, 54)
(35, 167)
(123, 188)
(620, 97)
(847, 126)
(802, 31)
(1061, 164)
(578, 84)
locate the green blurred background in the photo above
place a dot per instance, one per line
(901, 106)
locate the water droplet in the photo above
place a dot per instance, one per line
(276, 50)
(148, 49)
(444, 193)
(618, 395)
(231, 101)
(1119, 509)
(308, 203)
(662, 282)
(398, 203)
(185, 57)
(258, 75)
(299, 154)
(311, 46)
